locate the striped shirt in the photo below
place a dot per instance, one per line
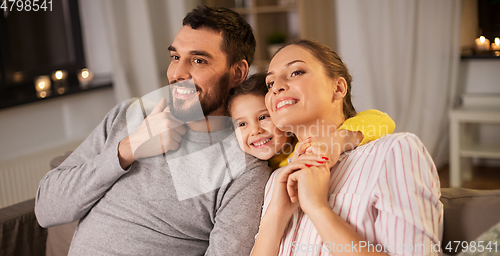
(388, 190)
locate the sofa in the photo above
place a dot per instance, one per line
(467, 214)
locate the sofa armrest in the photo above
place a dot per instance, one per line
(59, 237)
(20, 233)
(467, 214)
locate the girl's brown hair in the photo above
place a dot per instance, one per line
(254, 85)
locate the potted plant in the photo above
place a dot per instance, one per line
(276, 40)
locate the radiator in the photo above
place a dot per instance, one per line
(19, 177)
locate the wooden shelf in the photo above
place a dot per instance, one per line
(267, 17)
(480, 151)
(475, 110)
(492, 55)
(476, 114)
(295, 19)
(480, 57)
(265, 9)
(24, 97)
(261, 65)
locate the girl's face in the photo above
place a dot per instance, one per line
(300, 93)
(256, 133)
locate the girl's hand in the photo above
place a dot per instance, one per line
(301, 149)
(330, 146)
(310, 186)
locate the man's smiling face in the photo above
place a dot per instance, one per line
(197, 54)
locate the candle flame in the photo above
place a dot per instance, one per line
(497, 41)
(482, 39)
(59, 75)
(85, 73)
(41, 85)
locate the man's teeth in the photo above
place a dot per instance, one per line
(260, 143)
(185, 91)
(285, 102)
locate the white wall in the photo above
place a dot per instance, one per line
(478, 76)
(33, 134)
(140, 32)
(41, 125)
(47, 123)
(95, 34)
(482, 76)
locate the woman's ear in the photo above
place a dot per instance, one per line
(340, 88)
(240, 72)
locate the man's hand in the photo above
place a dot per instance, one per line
(158, 133)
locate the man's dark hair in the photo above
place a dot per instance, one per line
(238, 39)
(254, 85)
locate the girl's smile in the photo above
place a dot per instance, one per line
(256, 133)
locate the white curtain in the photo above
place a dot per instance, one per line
(139, 32)
(403, 56)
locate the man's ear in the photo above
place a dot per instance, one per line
(340, 88)
(240, 72)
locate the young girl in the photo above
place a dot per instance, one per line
(381, 198)
(258, 136)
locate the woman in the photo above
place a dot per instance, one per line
(380, 198)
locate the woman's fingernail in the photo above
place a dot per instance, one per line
(308, 165)
(321, 162)
(326, 158)
(309, 138)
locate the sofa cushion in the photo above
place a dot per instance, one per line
(486, 244)
(467, 214)
(59, 239)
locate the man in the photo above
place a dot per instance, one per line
(139, 193)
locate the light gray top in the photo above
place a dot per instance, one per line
(199, 200)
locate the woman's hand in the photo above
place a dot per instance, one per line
(280, 209)
(310, 187)
(281, 203)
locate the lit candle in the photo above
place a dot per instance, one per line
(60, 81)
(482, 44)
(496, 45)
(85, 77)
(59, 75)
(42, 83)
(41, 94)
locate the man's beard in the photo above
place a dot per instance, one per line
(209, 102)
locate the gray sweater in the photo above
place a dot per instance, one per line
(203, 199)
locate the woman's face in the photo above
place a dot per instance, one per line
(300, 92)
